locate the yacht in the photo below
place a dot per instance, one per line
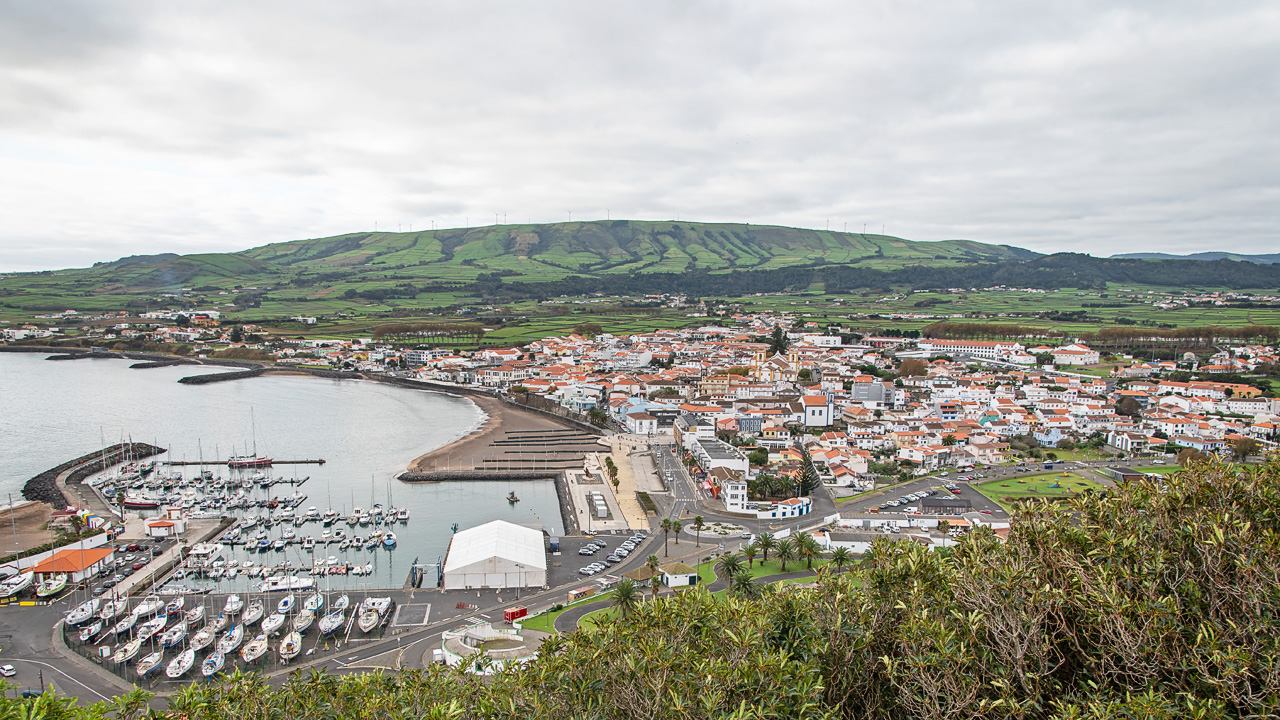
(332, 622)
(254, 612)
(174, 635)
(290, 647)
(82, 613)
(303, 621)
(234, 605)
(112, 609)
(148, 629)
(313, 602)
(254, 649)
(16, 584)
(286, 604)
(149, 606)
(88, 632)
(202, 639)
(181, 664)
(231, 640)
(51, 586)
(149, 663)
(195, 614)
(272, 624)
(127, 652)
(212, 665)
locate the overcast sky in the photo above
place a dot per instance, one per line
(143, 127)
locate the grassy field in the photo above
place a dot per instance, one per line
(1050, 485)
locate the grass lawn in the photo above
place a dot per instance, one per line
(1158, 469)
(1086, 454)
(1009, 492)
(546, 622)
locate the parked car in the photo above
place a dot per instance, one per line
(588, 550)
(137, 566)
(8, 670)
(133, 547)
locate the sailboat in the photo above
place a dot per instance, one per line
(332, 622)
(341, 603)
(250, 461)
(286, 604)
(149, 606)
(82, 612)
(273, 623)
(303, 621)
(202, 639)
(255, 649)
(234, 604)
(231, 640)
(290, 647)
(195, 614)
(127, 652)
(181, 664)
(254, 613)
(212, 665)
(51, 585)
(148, 629)
(125, 625)
(16, 584)
(174, 635)
(149, 663)
(175, 606)
(314, 602)
(113, 608)
(88, 632)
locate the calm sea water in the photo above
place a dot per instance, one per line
(52, 411)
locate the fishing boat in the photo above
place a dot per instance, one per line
(195, 614)
(181, 665)
(254, 613)
(332, 622)
(341, 603)
(175, 605)
(272, 624)
(148, 629)
(511, 497)
(231, 640)
(212, 665)
(313, 602)
(389, 540)
(16, 584)
(127, 652)
(149, 663)
(82, 613)
(125, 625)
(234, 605)
(290, 647)
(174, 635)
(254, 649)
(51, 585)
(286, 603)
(88, 632)
(303, 621)
(202, 639)
(238, 462)
(149, 606)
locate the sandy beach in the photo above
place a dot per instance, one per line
(472, 450)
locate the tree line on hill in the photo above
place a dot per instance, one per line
(1200, 336)
(1154, 600)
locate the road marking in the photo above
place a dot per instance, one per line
(64, 674)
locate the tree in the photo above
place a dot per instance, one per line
(588, 330)
(1191, 455)
(675, 528)
(1243, 447)
(807, 549)
(944, 525)
(948, 440)
(626, 596)
(750, 552)
(698, 527)
(912, 367)
(766, 542)
(1129, 406)
(759, 457)
(805, 375)
(730, 566)
(236, 335)
(655, 584)
(840, 558)
(786, 551)
(666, 531)
(778, 342)
(744, 586)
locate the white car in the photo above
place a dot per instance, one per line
(8, 670)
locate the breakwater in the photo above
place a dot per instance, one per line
(44, 487)
(418, 476)
(220, 377)
(437, 386)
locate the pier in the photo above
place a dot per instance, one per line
(213, 463)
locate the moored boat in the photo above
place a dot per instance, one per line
(389, 540)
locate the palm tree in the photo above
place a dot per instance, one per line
(730, 566)
(675, 528)
(655, 582)
(626, 597)
(750, 551)
(744, 585)
(841, 557)
(766, 543)
(808, 549)
(786, 551)
(666, 529)
(698, 527)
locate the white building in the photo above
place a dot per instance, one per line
(497, 554)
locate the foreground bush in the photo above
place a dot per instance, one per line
(1155, 601)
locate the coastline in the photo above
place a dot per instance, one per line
(500, 418)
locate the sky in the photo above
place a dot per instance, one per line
(1099, 127)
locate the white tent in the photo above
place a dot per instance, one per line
(497, 554)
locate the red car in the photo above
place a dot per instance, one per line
(956, 491)
(138, 566)
(134, 547)
(985, 512)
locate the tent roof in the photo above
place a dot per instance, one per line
(498, 538)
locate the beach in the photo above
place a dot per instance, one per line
(495, 441)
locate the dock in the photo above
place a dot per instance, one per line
(224, 462)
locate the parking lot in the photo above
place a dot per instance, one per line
(979, 501)
(564, 568)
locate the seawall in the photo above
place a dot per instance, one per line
(44, 487)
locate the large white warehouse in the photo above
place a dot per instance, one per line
(497, 554)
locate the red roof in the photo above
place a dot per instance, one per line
(71, 560)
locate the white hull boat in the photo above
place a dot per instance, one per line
(125, 625)
(202, 639)
(112, 609)
(175, 605)
(181, 665)
(82, 613)
(127, 652)
(230, 641)
(234, 605)
(149, 663)
(212, 665)
(271, 626)
(88, 632)
(331, 623)
(290, 647)
(286, 604)
(255, 649)
(341, 603)
(51, 586)
(314, 602)
(195, 614)
(149, 606)
(17, 584)
(254, 613)
(303, 621)
(174, 635)
(149, 628)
